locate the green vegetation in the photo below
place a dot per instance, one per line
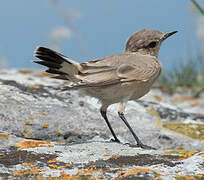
(198, 6)
(186, 75)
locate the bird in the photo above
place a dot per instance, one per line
(113, 79)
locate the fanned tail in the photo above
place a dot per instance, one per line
(58, 64)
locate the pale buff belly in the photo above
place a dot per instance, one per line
(120, 92)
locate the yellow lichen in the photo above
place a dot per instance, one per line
(43, 114)
(153, 112)
(27, 122)
(45, 125)
(192, 130)
(27, 131)
(60, 142)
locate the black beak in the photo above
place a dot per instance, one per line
(168, 35)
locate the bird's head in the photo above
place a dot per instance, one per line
(147, 41)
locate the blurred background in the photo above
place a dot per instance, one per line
(85, 30)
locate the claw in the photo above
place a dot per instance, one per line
(142, 146)
(146, 147)
(115, 140)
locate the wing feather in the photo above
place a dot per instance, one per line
(118, 69)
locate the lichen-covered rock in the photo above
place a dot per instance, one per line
(48, 133)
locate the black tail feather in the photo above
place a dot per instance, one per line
(49, 64)
(50, 55)
(54, 71)
(63, 77)
(57, 63)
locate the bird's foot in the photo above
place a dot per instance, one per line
(115, 140)
(143, 146)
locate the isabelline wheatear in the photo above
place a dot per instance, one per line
(113, 79)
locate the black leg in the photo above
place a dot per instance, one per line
(103, 113)
(139, 143)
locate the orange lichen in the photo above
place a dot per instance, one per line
(25, 71)
(68, 164)
(58, 133)
(201, 154)
(190, 100)
(92, 165)
(31, 117)
(181, 147)
(45, 125)
(32, 144)
(53, 160)
(43, 75)
(55, 166)
(5, 136)
(135, 172)
(24, 172)
(158, 98)
(115, 156)
(86, 172)
(4, 85)
(105, 155)
(65, 176)
(29, 165)
(35, 86)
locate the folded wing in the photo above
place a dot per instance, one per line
(120, 68)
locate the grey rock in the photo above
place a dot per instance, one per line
(32, 107)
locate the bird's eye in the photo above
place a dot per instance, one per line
(152, 44)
